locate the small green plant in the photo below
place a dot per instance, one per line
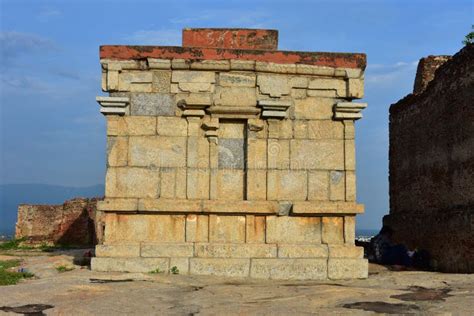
(174, 270)
(469, 38)
(8, 277)
(156, 271)
(62, 269)
(13, 244)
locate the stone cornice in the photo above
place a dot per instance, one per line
(113, 105)
(348, 110)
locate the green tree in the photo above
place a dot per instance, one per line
(469, 38)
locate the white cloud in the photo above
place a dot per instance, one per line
(48, 13)
(389, 73)
(14, 44)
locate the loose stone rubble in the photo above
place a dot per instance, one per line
(228, 157)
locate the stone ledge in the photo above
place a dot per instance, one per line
(224, 207)
(318, 207)
(289, 269)
(227, 250)
(143, 265)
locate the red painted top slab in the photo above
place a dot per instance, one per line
(344, 60)
(231, 38)
(195, 37)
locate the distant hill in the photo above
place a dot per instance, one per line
(13, 194)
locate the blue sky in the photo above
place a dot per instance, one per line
(51, 130)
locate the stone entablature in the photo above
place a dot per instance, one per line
(234, 156)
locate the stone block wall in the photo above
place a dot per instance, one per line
(75, 223)
(231, 162)
(432, 166)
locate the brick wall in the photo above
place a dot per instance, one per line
(76, 222)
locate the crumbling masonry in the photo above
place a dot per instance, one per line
(229, 157)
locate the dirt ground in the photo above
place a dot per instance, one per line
(83, 292)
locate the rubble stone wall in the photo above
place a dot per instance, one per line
(75, 223)
(432, 166)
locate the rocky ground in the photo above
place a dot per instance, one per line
(81, 291)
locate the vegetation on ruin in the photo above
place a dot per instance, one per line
(8, 275)
(469, 38)
(174, 270)
(62, 269)
(156, 271)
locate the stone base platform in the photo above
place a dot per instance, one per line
(263, 261)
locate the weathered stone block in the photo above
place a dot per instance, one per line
(231, 153)
(136, 228)
(166, 249)
(345, 251)
(256, 184)
(325, 129)
(346, 268)
(193, 87)
(161, 81)
(167, 182)
(337, 187)
(235, 96)
(317, 154)
(117, 151)
(350, 185)
(197, 184)
(300, 129)
(332, 230)
(220, 267)
(131, 125)
(286, 185)
(273, 85)
(226, 229)
(302, 251)
(198, 152)
(135, 81)
(141, 265)
(289, 269)
(197, 228)
(278, 154)
(152, 104)
(255, 229)
(293, 230)
(355, 88)
(230, 184)
(338, 85)
(236, 64)
(132, 182)
(118, 250)
(349, 229)
(237, 79)
(193, 76)
(314, 108)
(256, 153)
(172, 126)
(157, 151)
(349, 152)
(236, 250)
(318, 185)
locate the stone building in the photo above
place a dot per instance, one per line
(228, 157)
(432, 162)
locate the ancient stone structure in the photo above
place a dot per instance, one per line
(229, 157)
(74, 223)
(432, 164)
